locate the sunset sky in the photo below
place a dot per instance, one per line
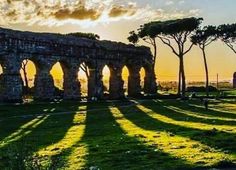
(113, 20)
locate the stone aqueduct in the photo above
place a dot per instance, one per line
(46, 49)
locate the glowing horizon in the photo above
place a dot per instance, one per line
(113, 20)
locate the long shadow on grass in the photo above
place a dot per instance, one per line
(181, 116)
(110, 148)
(7, 111)
(218, 139)
(18, 153)
(198, 107)
(9, 124)
(7, 127)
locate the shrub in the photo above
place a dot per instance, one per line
(201, 89)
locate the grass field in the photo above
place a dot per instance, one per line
(154, 134)
(224, 93)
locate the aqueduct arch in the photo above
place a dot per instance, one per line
(46, 49)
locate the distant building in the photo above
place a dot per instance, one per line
(234, 80)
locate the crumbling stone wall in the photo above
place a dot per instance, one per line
(46, 49)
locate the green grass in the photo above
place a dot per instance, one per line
(221, 93)
(230, 92)
(154, 134)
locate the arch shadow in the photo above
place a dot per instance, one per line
(217, 140)
(109, 147)
(197, 114)
(34, 138)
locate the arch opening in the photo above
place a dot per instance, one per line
(57, 74)
(142, 73)
(83, 76)
(28, 71)
(106, 73)
(125, 77)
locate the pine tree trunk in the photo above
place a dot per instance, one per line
(179, 82)
(155, 53)
(182, 77)
(206, 70)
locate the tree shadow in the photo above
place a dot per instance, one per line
(109, 147)
(195, 113)
(198, 107)
(34, 138)
(11, 125)
(19, 153)
(215, 139)
(9, 111)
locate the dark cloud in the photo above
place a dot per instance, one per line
(11, 13)
(79, 13)
(118, 11)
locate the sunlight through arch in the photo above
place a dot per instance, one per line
(28, 72)
(58, 75)
(125, 77)
(83, 79)
(142, 73)
(106, 78)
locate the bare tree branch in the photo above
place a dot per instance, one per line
(168, 43)
(24, 64)
(231, 46)
(191, 46)
(85, 69)
(147, 41)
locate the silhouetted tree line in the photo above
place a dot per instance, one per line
(201, 89)
(91, 36)
(180, 35)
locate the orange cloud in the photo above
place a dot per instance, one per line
(79, 13)
(118, 11)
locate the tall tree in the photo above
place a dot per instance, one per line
(147, 36)
(202, 38)
(227, 33)
(175, 34)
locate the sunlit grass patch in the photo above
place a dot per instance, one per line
(194, 125)
(23, 131)
(199, 115)
(192, 151)
(72, 136)
(225, 106)
(68, 145)
(159, 134)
